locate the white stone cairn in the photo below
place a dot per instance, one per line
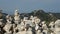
(37, 20)
(9, 19)
(52, 24)
(8, 25)
(57, 27)
(7, 28)
(44, 26)
(1, 22)
(17, 17)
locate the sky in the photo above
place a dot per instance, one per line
(26, 6)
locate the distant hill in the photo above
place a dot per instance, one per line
(43, 15)
(40, 13)
(56, 15)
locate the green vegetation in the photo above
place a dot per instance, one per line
(48, 17)
(1, 15)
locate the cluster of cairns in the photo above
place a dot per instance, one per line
(33, 25)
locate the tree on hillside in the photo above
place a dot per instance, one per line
(1, 15)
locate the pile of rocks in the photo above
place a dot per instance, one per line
(33, 25)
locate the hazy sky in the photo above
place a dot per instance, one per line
(9, 6)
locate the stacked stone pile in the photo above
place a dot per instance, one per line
(33, 25)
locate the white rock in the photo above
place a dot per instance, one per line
(7, 27)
